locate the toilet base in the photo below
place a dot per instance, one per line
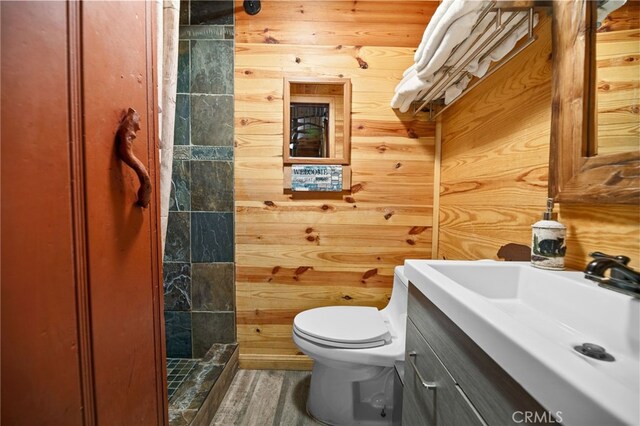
(358, 395)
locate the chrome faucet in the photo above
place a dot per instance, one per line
(621, 277)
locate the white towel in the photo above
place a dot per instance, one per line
(408, 92)
(483, 30)
(434, 37)
(449, 42)
(450, 25)
(480, 65)
(479, 69)
(428, 32)
(457, 33)
(455, 90)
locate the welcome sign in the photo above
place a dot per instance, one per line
(315, 177)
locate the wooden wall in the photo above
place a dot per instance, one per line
(296, 253)
(495, 150)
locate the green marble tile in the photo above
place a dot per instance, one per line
(216, 12)
(182, 126)
(202, 32)
(212, 186)
(184, 70)
(180, 198)
(212, 237)
(212, 67)
(212, 287)
(210, 328)
(177, 286)
(212, 120)
(178, 244)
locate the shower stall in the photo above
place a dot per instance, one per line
(199, 295)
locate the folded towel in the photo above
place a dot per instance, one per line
(416, 81)
(438, 27)
(499, 48)
(463, 53)
(493, 53)
(483, 31)
(439, 40)
(457, 33)
(455, 90)
(451, 43)
(402, 99)
(428, 32)
(446, 15)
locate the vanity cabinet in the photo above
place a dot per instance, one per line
(470, 387)
(444, 403)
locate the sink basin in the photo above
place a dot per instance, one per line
(529, 321)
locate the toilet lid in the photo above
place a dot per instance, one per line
(343, 326)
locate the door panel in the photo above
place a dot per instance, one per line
(40, 361)
(124, 281)
(82, 329)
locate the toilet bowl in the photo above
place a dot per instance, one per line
(354, 349)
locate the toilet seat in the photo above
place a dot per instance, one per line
(350, 327)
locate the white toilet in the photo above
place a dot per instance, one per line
(354, 349)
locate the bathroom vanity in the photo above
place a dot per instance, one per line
(503, 343)
(450, 380)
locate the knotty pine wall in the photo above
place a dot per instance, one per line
(495, 150)
(297, 253)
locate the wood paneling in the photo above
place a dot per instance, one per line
(380, 23)
(296, 252)
(327, 12)
(494, 170)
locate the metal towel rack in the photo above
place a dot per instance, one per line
(453, 74)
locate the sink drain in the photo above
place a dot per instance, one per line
(594, 351)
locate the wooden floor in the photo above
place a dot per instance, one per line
(266, 397)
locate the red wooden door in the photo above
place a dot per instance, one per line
(123, 238)
(40, 359)
(82, 330)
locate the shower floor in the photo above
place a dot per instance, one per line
(196, 386)
(178, 370)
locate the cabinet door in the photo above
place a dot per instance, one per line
(443, 405)
(124, 266)
(494, 393)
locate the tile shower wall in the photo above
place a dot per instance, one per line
(199, 253)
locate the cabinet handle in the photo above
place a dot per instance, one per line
(428, 385)
(127, 129)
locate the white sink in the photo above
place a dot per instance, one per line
(529, 320)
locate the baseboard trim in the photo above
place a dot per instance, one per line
(275, 362)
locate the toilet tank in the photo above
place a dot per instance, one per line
(396, 309)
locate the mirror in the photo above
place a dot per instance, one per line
(595, 152)
(309, 127)
(317, 121)
(617, 80)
